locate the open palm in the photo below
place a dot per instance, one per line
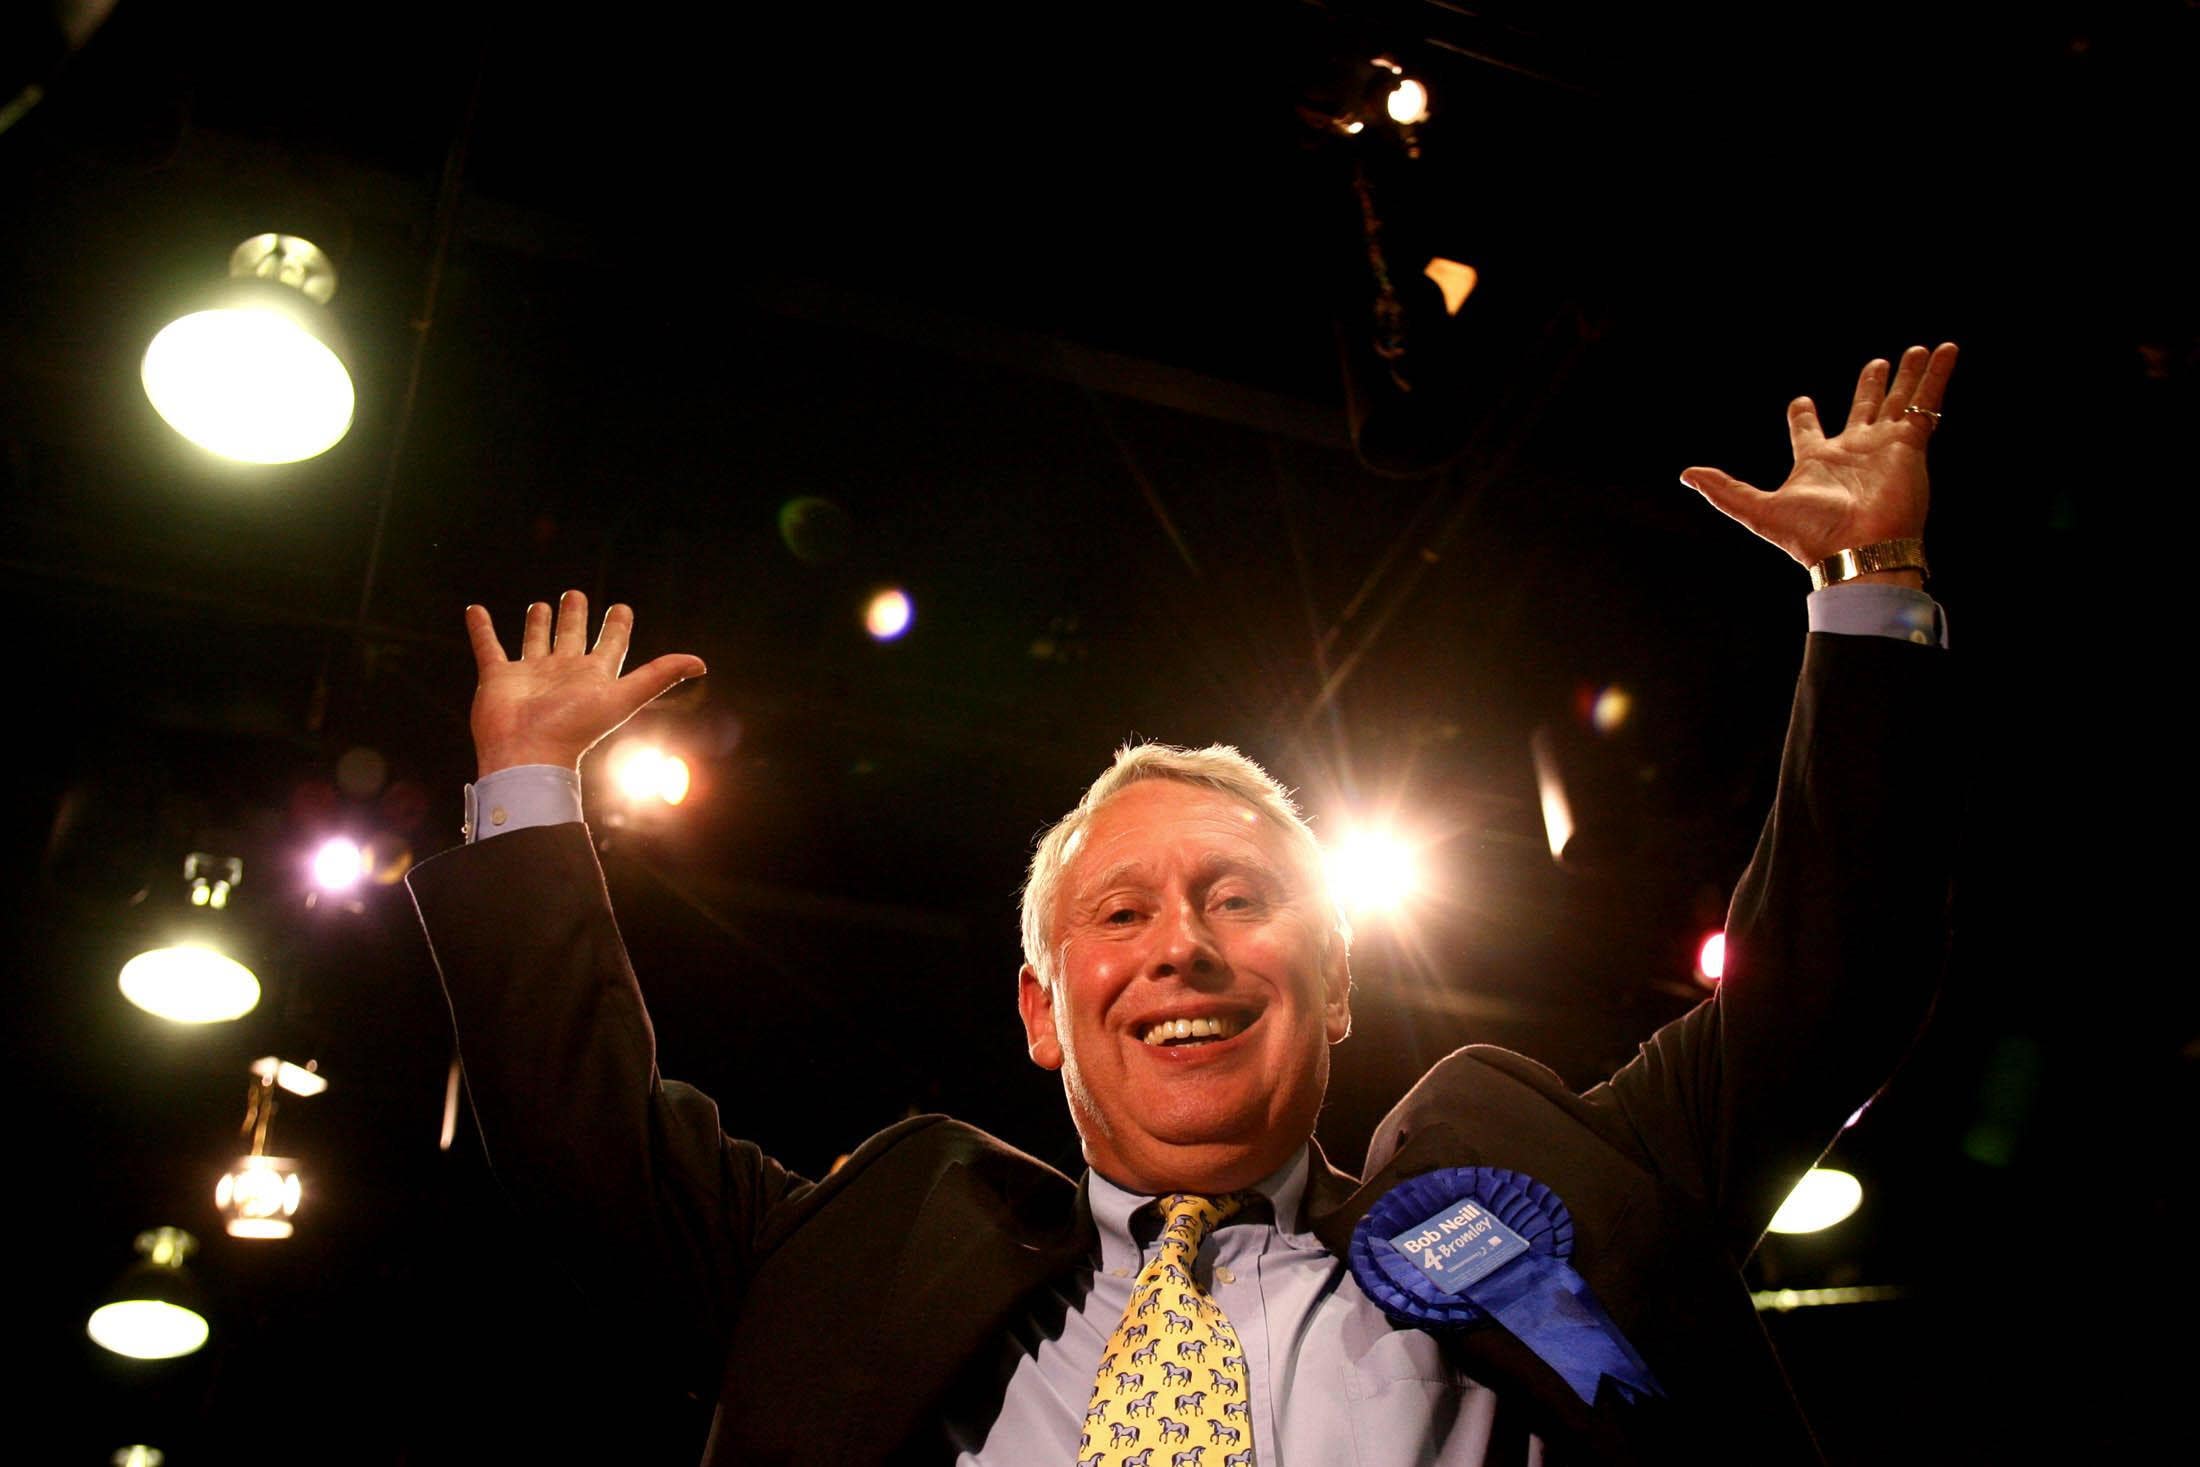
(558, 699)
(1864, 485)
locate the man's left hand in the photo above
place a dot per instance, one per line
(1865, 484)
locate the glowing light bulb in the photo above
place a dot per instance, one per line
(338, 865)
(190, 985)
(672, 779)
(888, 615)
(147, 1329)
(147, 1317)
(259, 1196)
(645, 774)
(249, 383)
(1822, 1198)
(1711, 958)
(1408, 102)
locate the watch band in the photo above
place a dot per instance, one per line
(1847, 565)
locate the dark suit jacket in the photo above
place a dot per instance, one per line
(1671, 1168)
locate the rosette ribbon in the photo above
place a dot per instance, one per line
(1483, 1243)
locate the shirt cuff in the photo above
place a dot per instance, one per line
(523, 795)
(1875, 609)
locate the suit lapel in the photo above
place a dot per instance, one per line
(970, 1257)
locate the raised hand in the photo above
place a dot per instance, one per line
(558, 699)
(1865, 484)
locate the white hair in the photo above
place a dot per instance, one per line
(1217, 767)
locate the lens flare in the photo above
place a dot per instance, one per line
(888, 615)
(1610, 710)
(1373, 871)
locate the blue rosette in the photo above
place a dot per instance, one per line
(1465, 1245)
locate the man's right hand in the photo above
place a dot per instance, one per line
(558, 700)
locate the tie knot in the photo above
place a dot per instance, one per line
(1187, 1218)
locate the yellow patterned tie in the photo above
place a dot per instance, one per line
(1172, 1381)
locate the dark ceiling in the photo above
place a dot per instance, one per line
(1056, 307)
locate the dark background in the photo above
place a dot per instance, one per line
(1055, 306)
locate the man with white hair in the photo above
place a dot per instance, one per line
(1211, 1292)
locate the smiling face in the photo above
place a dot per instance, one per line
(1196, 991)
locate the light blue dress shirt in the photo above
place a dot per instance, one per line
(1333, 1381)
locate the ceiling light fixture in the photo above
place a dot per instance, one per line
(257, 373)
(153, 1313)
(259, 1196)
(189, 982)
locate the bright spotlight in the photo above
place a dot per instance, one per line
(888, 615)
(147, 1329)
(645, 774)
(258, 376)
(672, 779)
(259, 1196)
(1408, 102)
(250, 385)
(338, 865)
(1711, 958)
(190, 985)
(1372, 871)
(1822, 1198)
(151, 1314)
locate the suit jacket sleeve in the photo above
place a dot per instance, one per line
(659, 1213)
(1835, 944)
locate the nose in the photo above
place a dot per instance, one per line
(1183, 946)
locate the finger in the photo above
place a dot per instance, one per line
(482, 632)
(1934, 384)
(1871, 390)
(572, 625)
(652, 680)
(1906, 378)
(1729, 495)
(1803, 430)
(534, 637)
(618, 630)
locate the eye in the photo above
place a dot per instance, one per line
(1236, 901)
(1121, 917)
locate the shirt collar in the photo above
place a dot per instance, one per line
(1114, 1207)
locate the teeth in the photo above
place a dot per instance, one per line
(1167, 1029)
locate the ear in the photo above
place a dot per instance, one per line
(1036, 1001)
(1337, 989)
